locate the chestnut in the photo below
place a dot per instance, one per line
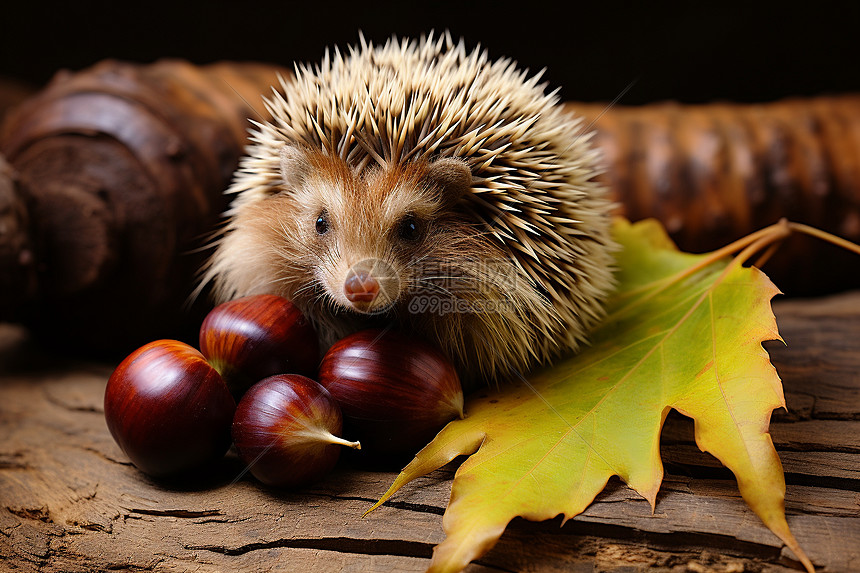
(250, 338)
(168, 409)
(395, 391)
(285, 430)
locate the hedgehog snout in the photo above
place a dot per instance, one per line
(360, 287)
(371, 285)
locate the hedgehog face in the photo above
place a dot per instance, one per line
(369, 230)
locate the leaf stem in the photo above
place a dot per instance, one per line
(769, 236)
(743, 249)
(759, 238)
(765, 256)
(778, 230)
(825, 236)
(769, 239)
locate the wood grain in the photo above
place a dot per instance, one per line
(715, 172)
(121, 171)
(70, 501)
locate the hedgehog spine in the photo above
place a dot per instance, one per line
(533, 200)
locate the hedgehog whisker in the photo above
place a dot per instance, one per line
(303, 289)
(438, 288)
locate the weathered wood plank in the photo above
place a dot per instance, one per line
(70, 501)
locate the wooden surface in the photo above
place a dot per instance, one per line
(70, 501)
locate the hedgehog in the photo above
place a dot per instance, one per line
(422, 186)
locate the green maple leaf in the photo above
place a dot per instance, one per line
(683, 332)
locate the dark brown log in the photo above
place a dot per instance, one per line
(713, 173)
(124, 168)
(17, 263)
(16, 247)
(71, 502)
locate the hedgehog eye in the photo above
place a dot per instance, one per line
(322, 223)
(409, 228)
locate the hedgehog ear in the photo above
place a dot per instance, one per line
(294, 166)
(451, 177)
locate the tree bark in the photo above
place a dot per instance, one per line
(121, 169)
(712, 173)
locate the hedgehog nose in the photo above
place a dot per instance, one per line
(360, 286)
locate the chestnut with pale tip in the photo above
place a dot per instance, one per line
(251, 338)
(285, 431)
(395, 391)
(168, 409)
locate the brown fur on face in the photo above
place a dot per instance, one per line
(362, 213)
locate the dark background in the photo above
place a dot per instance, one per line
(690, 51)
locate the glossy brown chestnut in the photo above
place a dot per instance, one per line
(395, 391)
(168, 409)
(285, 430)
(253, 337)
